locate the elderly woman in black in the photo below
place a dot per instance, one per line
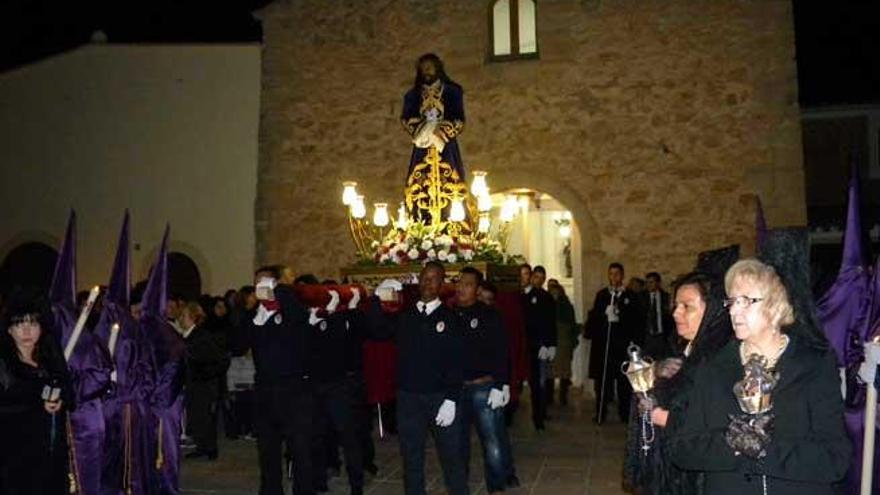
(800, 446)
(702, 327)
(34, 396)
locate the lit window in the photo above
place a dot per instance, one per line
(514, 29)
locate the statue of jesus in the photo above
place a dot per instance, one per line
(433, 114)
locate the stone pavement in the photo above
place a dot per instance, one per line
(573, 456)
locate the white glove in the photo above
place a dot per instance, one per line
(388, 288)
(505, 398)
(551, 353)
(612, 314)
(868, 369)
(262, 315)
(390, 283)
(446, 414)
(334, 301)
(542, 353)
(355, 298)
(313, 317)
(496, 399)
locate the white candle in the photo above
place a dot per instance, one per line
(114, 334)
(81, 322)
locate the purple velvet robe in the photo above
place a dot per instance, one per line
(127, 457)
(166, 401)
(90, 370)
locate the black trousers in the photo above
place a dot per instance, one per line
(363, 417)
(242, 412)
(416, 414)
(201, 413)
(615, 384)
(536, 390)
(284, 415)
(334, 411)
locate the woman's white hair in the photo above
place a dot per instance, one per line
(777, 306)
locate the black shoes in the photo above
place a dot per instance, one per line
(371, 468)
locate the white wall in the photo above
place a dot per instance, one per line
(168, 131)
(536, 236)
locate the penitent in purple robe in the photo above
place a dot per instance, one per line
(89, 367)
(126, 461)
(844, 311)
(166, 399)
(166, 402)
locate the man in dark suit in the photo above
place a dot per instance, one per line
(540, 314)
(612, 325)
(658, 319)
(430, 376)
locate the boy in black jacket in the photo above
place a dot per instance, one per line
(485, 375)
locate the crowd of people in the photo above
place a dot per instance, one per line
(291, 376)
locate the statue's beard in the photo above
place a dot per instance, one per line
(429, 78)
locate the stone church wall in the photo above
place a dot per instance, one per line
(656, 123)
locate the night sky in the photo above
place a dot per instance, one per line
(838, 42)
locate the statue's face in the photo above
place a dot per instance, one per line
(428, 71)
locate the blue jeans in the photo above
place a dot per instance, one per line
(490, 428)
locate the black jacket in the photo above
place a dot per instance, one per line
(205, 357)
(485, 343)
(328, 348)
(809, 450)
(622, 332)
(429, 348)
(539, 309)
(657, 342)
(280, 346)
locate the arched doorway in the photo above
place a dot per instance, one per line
(29, 265)
(544, 233)
(184, 278)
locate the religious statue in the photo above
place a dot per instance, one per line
(433, 116)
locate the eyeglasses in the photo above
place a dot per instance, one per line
(742, 302)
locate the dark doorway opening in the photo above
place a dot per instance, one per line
(30, 266)
(184, 278)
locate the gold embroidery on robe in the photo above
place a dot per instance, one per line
(432, 98)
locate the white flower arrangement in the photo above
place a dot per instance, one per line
(418, 245)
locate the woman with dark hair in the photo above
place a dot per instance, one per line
(702, 328)
(219, 323)
(765, 414)
(34, 399)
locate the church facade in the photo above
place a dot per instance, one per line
(657, 124)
